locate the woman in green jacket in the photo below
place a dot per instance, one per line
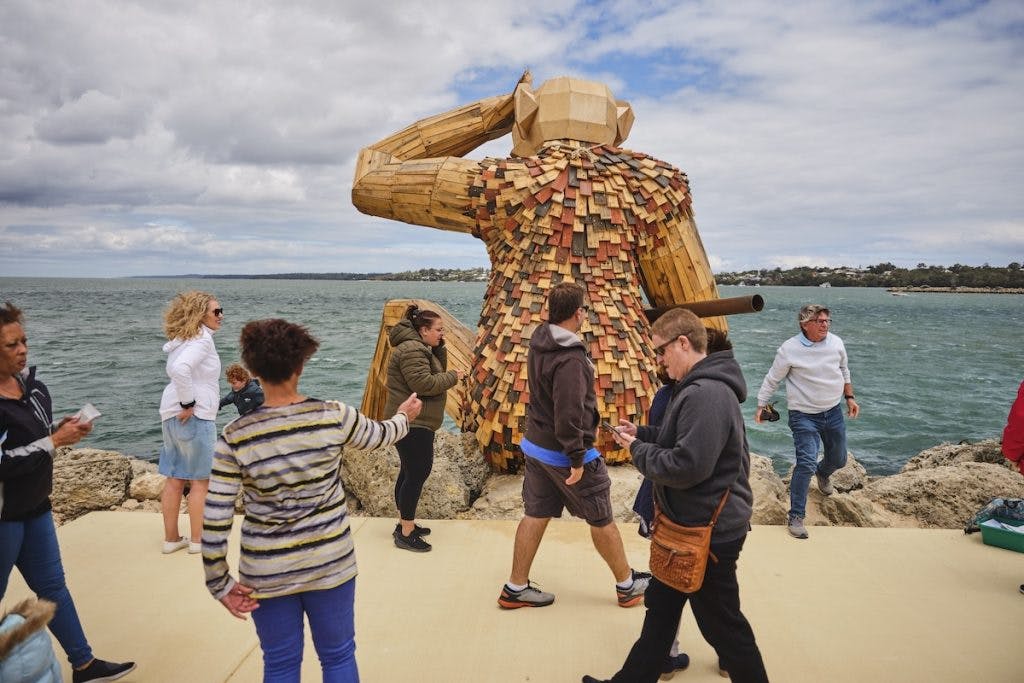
(419, 362)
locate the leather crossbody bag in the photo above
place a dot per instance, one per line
(679, 554)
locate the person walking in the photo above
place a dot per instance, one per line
(419, 363)
(814, 366)
(297, 556)
(697, 455)
(188, 410)
(563, 469)
(28, 539)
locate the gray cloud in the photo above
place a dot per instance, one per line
(155, 138)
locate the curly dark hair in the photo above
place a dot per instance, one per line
(9, 314)
(275, 349)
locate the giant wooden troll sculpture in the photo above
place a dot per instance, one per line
(569, 204)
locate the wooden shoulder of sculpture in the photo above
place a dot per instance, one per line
(418, 176)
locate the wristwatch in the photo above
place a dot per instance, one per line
(186, 406)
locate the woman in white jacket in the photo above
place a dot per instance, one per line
(188, 410)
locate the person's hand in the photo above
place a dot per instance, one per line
(239, 601)
(460, 375)
(575, 474)
(623, 438)
(411, 407)
(185, 414)
(70, 431)
(757, 415)
(852, 409)
(626, 427)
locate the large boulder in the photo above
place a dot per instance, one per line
(369, 478)
(771, 503)
(501, 498)
(946, 496)
(88, 479)
(952, 453)
(147, 486)
(852, 509)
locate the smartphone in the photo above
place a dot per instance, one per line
(88, 413)
(608, 428)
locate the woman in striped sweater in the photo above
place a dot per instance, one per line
(297, 556)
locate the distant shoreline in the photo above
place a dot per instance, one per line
(925, 289)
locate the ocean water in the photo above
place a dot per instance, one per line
(927, 368)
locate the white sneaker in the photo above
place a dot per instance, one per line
(195, 548)
(174, 546)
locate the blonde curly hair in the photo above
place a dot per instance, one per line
(184, 316)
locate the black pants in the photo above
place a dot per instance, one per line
(716, 607)
(416, 451)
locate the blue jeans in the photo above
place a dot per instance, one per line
(811, 430)
(31, 546)
(331, 617)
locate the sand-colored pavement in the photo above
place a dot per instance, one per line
(849, 604)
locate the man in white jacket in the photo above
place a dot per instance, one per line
(814, 366)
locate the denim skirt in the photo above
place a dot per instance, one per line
(187, 451)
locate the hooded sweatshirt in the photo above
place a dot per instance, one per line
(194, 368)
(700, 449)
(415, 366)
(562, 415)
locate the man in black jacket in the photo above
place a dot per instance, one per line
(562, 467)
(697, 453)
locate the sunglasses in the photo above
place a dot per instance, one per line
(660, 350)
(218, 312)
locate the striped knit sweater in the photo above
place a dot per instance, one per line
(287, 461)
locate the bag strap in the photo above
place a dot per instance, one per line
(718, 510)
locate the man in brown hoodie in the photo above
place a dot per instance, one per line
(563, 469)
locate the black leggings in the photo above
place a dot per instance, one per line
(416, 451)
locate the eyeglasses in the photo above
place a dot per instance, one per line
(821, 321)
(218, 312)
(660, 350)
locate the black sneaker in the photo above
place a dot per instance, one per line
(99, 670)
(412, 542)
(674, 664)
(417, 529)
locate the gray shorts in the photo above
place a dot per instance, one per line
(545, 492)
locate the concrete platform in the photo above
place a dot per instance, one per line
(847, 605)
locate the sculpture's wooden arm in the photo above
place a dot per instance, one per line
(417, 175)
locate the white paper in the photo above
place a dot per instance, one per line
(88, 413)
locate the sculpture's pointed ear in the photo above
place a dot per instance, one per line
(624, 120)
(526, 115)
(526, 106)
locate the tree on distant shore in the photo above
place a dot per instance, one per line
(883, 275)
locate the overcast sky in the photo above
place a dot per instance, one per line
(144, 138)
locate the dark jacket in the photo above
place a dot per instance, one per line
(415, 366)
(562, 415)
(248, 399)
(700, 449)
(26, 450)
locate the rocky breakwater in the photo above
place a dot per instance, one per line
(941, 487)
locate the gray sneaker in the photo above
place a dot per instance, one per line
(635, 593)
(530, 596)
(824, 485)
(796, 527)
